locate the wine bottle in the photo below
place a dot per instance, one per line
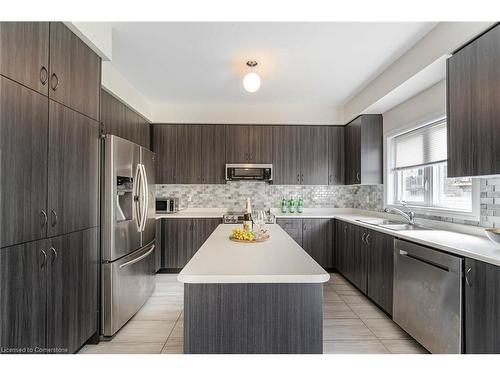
(247, 217)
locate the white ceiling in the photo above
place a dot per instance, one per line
(202, 64)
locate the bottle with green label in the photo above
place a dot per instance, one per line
(291, 205)
(300, 205)
(283, 205)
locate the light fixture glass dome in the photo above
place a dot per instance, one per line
(251, 82)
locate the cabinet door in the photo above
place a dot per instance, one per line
(340, 246)
(485, 94)
(202, 229)
(22, 296)
(165, 148)
(237, 139)
(482, 307)
(178, 242)
(317, 240)
(336, 152)
(23, 162)
(293, 227)
(260, 145)
(352, 153)
(188, 154)
(72, 287)
(75, 72)
(286, 155)
(371, 149)
(144, 132)
(24, 53)
(213, 154)
(314, 155)
(380, 269)
(360, 258)
(73, 170)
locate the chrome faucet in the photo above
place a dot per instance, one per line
(410, 216)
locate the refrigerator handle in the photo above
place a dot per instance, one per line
(137, 197)
(145, 198)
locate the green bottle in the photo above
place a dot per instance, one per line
(291, 205)
(300, 205)
(283, 205)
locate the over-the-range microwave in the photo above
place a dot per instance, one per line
(249, 172)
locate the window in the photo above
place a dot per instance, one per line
(418, 173)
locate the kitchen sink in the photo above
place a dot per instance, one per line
(392, 224)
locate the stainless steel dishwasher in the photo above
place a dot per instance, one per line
(428, 296)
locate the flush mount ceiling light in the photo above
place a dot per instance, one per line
(251, 82)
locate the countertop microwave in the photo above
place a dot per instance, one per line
(249, 172)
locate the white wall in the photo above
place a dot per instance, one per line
(424, 107)
(440, 41)
(97, 35)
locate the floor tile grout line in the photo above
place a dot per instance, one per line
(172, 330)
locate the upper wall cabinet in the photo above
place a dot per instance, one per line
(249, 144)
(74, 73)
(25, 53)
(300, 155)
(336, 155)
(473, 85)
(363, 150)
(118, 119)
(164, 145)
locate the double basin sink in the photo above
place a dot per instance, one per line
(392, 224)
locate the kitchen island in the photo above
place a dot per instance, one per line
(252, 298)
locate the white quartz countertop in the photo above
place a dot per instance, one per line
(277, 260)
(195, 213)
(472, 246)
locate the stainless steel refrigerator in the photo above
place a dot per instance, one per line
(128, 232)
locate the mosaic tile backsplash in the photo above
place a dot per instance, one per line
(368, 197)
(233, 195)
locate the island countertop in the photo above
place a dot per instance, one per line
(277, 260)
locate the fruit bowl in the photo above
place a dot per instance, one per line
(493, 234)
(238, 235)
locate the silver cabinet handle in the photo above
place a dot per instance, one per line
(54, 218)
(44, 258)
(130, 262)
(44, 75)
(298, 177)
(44, 219)
(366, 239)
(53, 79)
(358, 177)
(54, 255)
(467, 281)
(363, 237)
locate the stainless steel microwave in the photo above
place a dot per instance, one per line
(249, 172)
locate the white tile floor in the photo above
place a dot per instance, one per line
(351, 324)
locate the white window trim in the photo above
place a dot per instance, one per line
(474, 215)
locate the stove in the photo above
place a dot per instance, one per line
(235, 217)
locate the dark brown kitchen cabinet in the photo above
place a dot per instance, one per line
(72, 287)
(188, 154)
(181, 239)
(314, 155)
(249, 144)
(75, 72)
(213, 154)
(23, 164)
(118, 119)
(473, 85)
(336, 155)
(293, 227)
(24, 53)
(363, 150)
(165, 147)
(482, 307)
(286, 155)
(317, 237)
(359, 247)
(341, 255)
(48, 292)
(73, 171)
(380, 268)
(22, 296)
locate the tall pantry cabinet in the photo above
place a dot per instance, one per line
(49, 159)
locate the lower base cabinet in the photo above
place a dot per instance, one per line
(48, 294)
(366, 258)
(482, 307)
(181, 239)
(315, 236)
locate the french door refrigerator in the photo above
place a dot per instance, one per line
(128, 232)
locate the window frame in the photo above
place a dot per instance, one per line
(392, 186)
